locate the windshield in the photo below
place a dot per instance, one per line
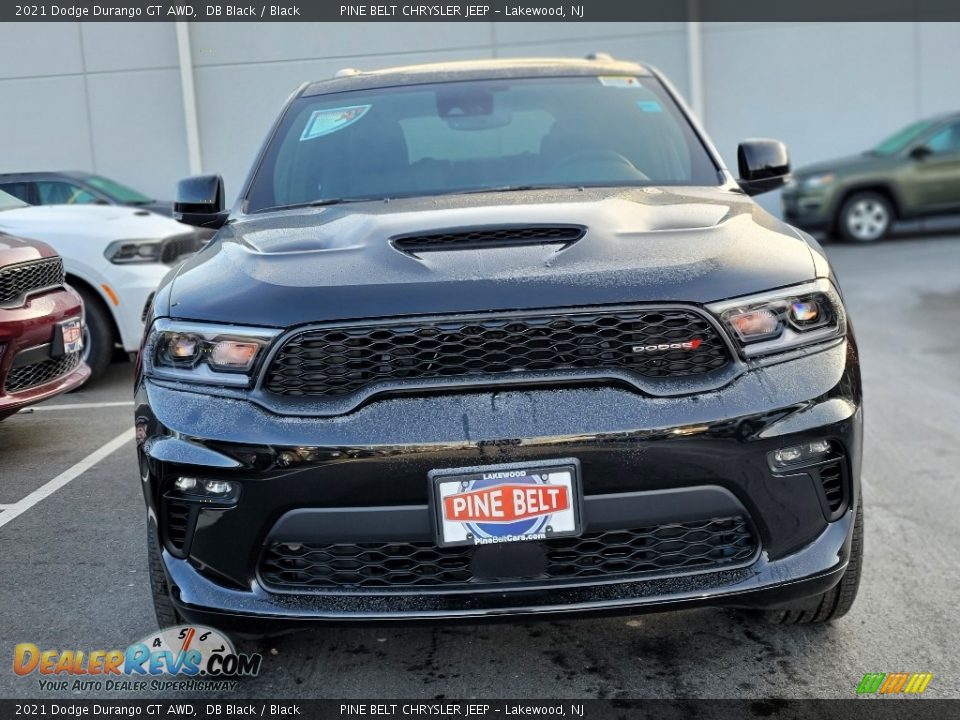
(479, 135)
(116, 191)
(9, 202)
(902, 138)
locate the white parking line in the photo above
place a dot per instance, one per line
(11, 512)
(85, 406)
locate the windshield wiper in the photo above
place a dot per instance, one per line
(323, 203)
(510, 188)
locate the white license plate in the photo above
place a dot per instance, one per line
(72, 336)
(507, 503)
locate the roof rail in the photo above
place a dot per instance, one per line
(600, 56)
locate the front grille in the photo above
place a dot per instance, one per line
(30, 376)
(339, 361)
(831, 480)
(489, 237)
(17, 280)
(713, 544)
(178, 246)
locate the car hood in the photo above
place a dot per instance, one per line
(337, 263)
(849, 164)
(109, 222)
(15, 250)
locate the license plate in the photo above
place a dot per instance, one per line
(72, 332)
(507, 503)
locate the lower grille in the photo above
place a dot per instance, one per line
(657, 343)
(713, 544)
(30, 376)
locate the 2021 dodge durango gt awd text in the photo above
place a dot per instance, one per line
(497, 339)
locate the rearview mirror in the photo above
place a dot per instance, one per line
(200, 201)
(764, 165)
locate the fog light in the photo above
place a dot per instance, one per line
(798, 454)
(185, 484)
(787, 456)
(217, 487)
(819, 447)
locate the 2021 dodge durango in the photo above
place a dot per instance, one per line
(41, 326)
(499, 338)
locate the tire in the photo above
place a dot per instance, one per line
(835, 602)
(99, 337)
(163, 606)
(865, 217)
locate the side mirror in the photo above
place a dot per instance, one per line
(764, 165)
(200, 202)
(920, 152)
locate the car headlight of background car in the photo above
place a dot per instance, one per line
(817, 182)
(205, 353)
(123, 252)
(786, 319)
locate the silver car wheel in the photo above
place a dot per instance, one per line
(867, 219)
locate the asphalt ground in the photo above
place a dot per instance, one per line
(73, 564)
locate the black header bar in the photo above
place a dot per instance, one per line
(486, 11)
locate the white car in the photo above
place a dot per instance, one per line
(114, 256)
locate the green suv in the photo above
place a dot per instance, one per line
(913, 173)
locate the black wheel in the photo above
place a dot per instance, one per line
(167, 614)
(865, 217)
(99, 338)
(835, 602)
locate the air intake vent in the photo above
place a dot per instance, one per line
(490, 237)
(831, 479)
(179, 525)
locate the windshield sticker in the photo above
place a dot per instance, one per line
(619, 81)
(649, 106)
(324, 122)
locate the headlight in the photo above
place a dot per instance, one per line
(205, 353)
(816, 182)
(122, 252)
(784, 319)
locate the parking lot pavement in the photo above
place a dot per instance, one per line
(73, 565)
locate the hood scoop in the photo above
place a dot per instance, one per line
(490, 236)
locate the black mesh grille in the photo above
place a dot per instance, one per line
(677, 547)
(344, 360)
(831, 479)
(29, 376)
(463, 239)
(17, 280)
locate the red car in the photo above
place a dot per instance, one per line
(41, 326)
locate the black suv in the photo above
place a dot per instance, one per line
(497, 338)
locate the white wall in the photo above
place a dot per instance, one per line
(107, 97)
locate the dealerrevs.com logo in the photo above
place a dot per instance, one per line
(200, 658)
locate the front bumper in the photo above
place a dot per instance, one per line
(810, 211)
(363, 478)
